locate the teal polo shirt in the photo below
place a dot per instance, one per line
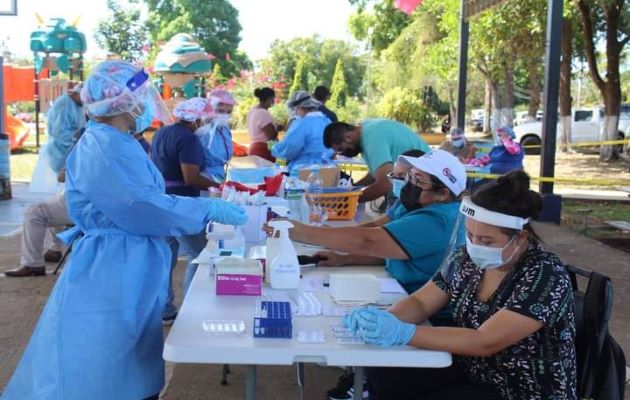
(383, 140)
(424, 235)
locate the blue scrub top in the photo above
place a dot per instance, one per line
(303, 144)
(396, 211)
(501, 161)
(424, 235)
(217, 152)
(174, 145)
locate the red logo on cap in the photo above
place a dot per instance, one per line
(447, 173)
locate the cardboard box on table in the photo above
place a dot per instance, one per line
(329, 174)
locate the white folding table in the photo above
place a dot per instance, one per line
(187, 341)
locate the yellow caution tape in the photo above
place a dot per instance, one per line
(593, 182)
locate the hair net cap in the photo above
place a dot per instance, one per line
(508, 130)
(221, 96)
(117, 87)
(457, 133)
(193, 109)
(105, 92)
(302, 98)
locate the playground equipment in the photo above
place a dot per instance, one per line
(57, 47)
(182, 66)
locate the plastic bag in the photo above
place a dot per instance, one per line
(44, 178)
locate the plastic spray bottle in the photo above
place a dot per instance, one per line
(284, 270)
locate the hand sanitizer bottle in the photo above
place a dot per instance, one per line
(284, 270)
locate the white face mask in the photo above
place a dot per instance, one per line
(222, 119)
(486, 257)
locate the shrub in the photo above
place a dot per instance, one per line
(402, 104)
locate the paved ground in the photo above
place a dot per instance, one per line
(22, 301)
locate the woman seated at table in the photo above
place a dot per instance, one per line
(459, 146)
(512, 303)
(303, 143)
(412, 246)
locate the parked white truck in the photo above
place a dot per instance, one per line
(586, 125)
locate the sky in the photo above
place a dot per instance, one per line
(262, 21)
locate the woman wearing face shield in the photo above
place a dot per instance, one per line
(511, 300)
(303, 143)
(100, 334)
(215, 136)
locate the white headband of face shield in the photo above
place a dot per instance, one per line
(478, 213)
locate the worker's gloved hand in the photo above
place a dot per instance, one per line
(384, 328)
(351, 321)
(226, 213)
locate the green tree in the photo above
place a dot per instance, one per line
(404, 105)
(213, 23)
(609, 20)
(300, 78)
(122, 33)
(381, 26)
(319, 57)
(339, 88)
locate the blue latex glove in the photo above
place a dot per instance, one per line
(351, 321)
(226, 213)
(383, 328)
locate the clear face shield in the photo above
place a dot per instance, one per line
(486, 238)
(148, 98)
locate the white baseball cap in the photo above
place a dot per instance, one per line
(441, 164)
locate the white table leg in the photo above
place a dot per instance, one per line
(250, 391)
(358, 383)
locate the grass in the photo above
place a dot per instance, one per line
(23, 163)
(602, 210)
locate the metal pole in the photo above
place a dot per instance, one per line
(37, 108)
(463, 69)
(250, 392)
(359, 375)
(5, 144)
(550, 95)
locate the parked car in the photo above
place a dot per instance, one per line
(477, 124)
(586, 124)
(522, 117)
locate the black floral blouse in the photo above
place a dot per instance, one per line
(541, 366)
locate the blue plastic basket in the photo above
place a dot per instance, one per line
(273, 320)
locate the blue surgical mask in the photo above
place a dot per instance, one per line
(486, 257)
(397, 185)
(458, 143)
(144, 120)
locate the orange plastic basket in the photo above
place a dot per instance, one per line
(341, 206)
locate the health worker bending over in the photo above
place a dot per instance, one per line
(100, 334)
(413, 245)
(215, 136)
(303, 144)
(512, 303)
(380, 142)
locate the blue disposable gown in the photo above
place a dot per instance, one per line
(100, 334)
(303, 144)
(63, 120)
(217, 152)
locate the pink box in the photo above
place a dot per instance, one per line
(238, 284)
